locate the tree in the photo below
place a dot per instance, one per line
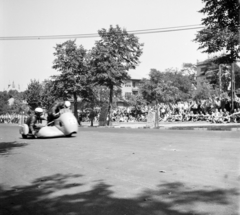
(166, 92)
(18, 106)
(221, 29)
(13, 94)
(184, 83)
(136, 100)
(48, 94)
(204, 91)
(147, 91)
(168, 86)
(4, 107)
(33, 94)
(72, 62)
(113, 55)
(161, 92)
(190, 70)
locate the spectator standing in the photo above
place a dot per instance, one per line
(91, 116)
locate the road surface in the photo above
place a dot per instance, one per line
(109, 171)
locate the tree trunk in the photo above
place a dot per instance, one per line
(92, 114)
(75, 105)
(110, 106)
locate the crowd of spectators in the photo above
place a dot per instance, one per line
(13, 118)
(212, 110)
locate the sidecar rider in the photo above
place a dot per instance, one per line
(60, 108)
(57, 109)
(33, 119)
(54, 112)
(67, 106)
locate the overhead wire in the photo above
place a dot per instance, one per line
(166, 28)
(94, 35)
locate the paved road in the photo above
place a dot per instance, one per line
(120, 171)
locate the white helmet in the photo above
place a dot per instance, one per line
(67, 104)
(38, 110)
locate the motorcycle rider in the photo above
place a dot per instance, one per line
(33, 119)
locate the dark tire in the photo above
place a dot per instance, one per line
(24, 136)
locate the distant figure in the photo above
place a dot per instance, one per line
(79, 117)
(91, 116)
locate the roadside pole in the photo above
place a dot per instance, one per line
(220, 79)
(156, 123)
(232, 86)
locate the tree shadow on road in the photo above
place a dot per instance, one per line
(6, 147)
(58, 195)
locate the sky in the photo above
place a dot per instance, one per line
(24, 60)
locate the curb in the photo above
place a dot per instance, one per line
(208, 128)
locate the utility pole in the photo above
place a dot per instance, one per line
(220, 79)
(232, 86)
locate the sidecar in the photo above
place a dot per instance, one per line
(65, 125)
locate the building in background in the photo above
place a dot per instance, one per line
(13, 87)
(130, 87)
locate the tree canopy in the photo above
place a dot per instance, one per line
(135, 100)
(4, 102)
(221, 29)
(204, 91)
(33, 94)
(168, 86)
(48, 94)
(113, 55)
